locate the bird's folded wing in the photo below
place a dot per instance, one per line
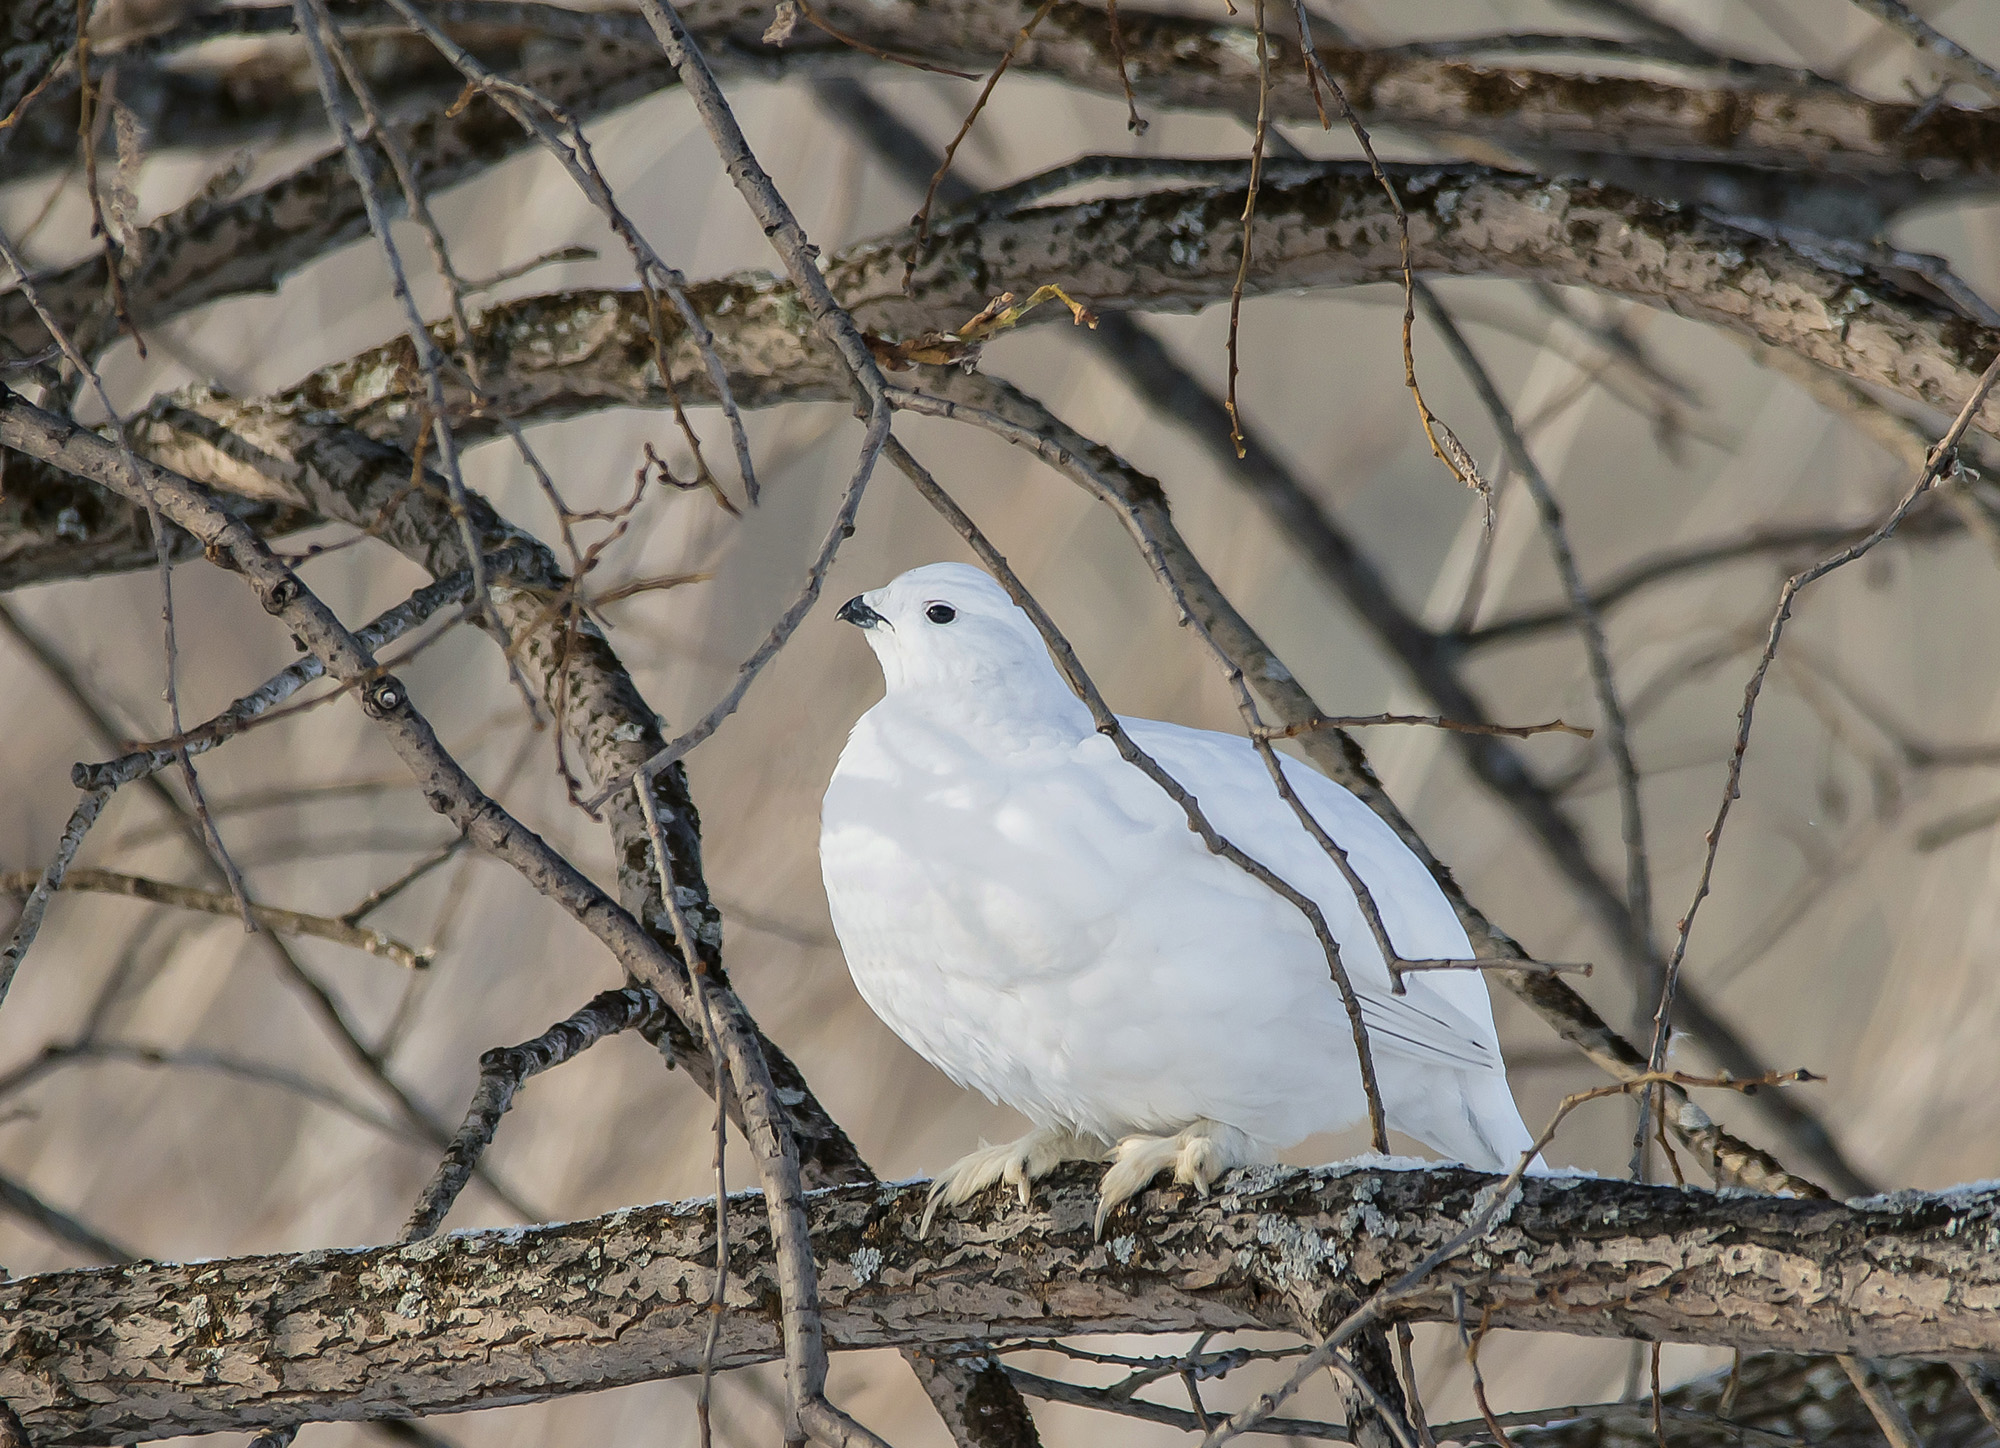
(1429, 1032)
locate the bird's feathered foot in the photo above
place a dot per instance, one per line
(1016, 1162)
(1198, 1155)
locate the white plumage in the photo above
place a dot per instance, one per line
(1035, 918)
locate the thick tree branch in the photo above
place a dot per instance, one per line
(218, 245)
(54, 526)
(1328, 225)
(480, 1319)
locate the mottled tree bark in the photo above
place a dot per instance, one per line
(479, 1319)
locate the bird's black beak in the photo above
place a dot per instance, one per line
(857, 612)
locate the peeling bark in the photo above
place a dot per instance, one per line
(480, 1319)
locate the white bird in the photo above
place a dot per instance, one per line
(1034, 917)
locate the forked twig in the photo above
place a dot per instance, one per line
(503, 1071)
(1445, 445)
(922, 220)
(1942, 458)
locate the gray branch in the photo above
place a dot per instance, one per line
(480, 1319)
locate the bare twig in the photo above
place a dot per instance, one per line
(1133, 121)
(698, 978)
(1250, 214)
(503, 1071)
(1589, 623)
(213, 902)
(1445, 445)
(375, 899)
(65, 1227)
(316, 27)
(90, 1051)
(528, 109)
(921, 222)
(385, 629)
(1943, 459)
(1888, 1413)
(800, 257)
(1938, 48)
(1434, 721)
(30, 922)
(211, 839)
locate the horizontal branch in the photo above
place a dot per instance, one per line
(1758, 121)
(1176, 251)
(1746, 114)
(481, 1319)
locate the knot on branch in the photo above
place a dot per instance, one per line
(282, 594)
(385, 697)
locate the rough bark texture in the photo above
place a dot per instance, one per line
(55, 526)
(1750, 115)
(571, 352)
(478, 1319)
(217, 246)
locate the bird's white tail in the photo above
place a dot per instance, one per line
(1471, 1117)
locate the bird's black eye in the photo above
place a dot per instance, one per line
(940, 613)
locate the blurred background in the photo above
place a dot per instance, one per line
(1854, 929)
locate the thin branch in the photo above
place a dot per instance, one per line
(1943, 459)
(89, 1051)
(1589, 622)
(210, 838)
(528, 107)
(1434, 721)
(1445, 445)
(65, 1227)
(921, 222)
(1942, 51)
(503, 1071)
(88, 805)
(1249, 216)
(1666, 565)
(316, 27)
(215, 902)
(801, 261)
(788, 622)
(1888, 1413)
(375, 899)
(385, 629)
(799, 1291)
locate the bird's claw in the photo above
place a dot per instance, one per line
(1017, 1163)
(1198, 1156)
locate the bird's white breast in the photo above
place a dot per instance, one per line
(1033, 916)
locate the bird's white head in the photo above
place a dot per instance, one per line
(949, 628)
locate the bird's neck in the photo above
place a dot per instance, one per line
(995, 720)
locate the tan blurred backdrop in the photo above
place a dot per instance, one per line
(1833, 941)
